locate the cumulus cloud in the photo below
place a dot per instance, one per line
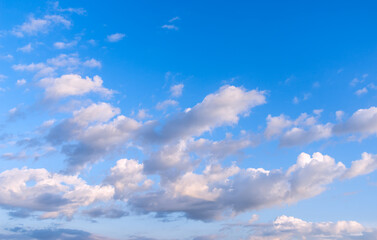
(51, 193)
(72, 85)
(363, 121)
(287, 227)
(217, 109)
(218, 190)
(34, 26)
(127, 177)
(116, 37)
(305, 128)
(91, 133)
(366, 165)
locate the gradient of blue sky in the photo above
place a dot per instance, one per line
(194, 93)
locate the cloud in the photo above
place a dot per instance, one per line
(27, 48)
(217, 190)
(79, 11)
(72, 85)
(91, 134)
(127, 177)
(169, 27)
(361, 91)
(34, 26)
(165, 104)
(20, 233)
(51, 193)
(305, 128)
(92, 63)
(105, 212)
(286, 227)
(176, 90)
(217, 109)
(366, 165)
(116, 37)
(66, 63)
(363, 121)
(63, 45)
(174, 19)
(21, 82)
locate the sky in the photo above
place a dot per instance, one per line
(192, 120)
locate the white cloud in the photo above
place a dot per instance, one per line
(92, 63)
(27, 48)
(217, 109)
(116, 37)
(72, 85)
(361, 91)
(51, 193)
(170, 27)
(176, 90)
(339, 115)
(217, 190)
(91, 134)
(366, 165)
(174, 19)
(127, 177)
(65, 45)
(286, 228)
(165, 104)
(34, 26)
(276, 125)
(79, 11)
(21, 82)
(2, 77)
(363, 121)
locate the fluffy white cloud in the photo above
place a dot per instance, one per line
(51, 193)
(367, 164)
(116, 37)
(218, 190)
(91, 133)
(285, 227)
(127, 177)
(72, 85)
(363, 121)
(217, 109)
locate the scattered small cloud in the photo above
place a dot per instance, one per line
(176, 90)
(361, 91)
(116, 37)
(27, 48)
(65, 45)
(21, 82)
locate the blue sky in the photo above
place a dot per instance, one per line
(188, 120)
